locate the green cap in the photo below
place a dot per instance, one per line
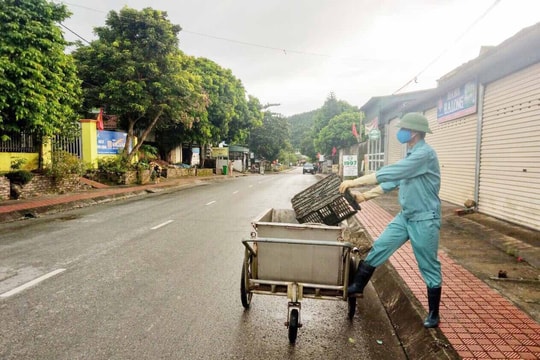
(414, 121)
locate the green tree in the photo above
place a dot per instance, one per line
(135, 70)
(307, 147)
(338, 132)
(229, 117)
(170, 135)
(331, 107)
(249, 116)
(300, 125)
(229, 114)
(39, 88)
(271, 137)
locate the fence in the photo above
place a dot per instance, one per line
(19, 143)
(72, 146)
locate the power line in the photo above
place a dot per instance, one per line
(284, 51)
(84, 7)
(469, 28)
(245, 43)
(74, 33)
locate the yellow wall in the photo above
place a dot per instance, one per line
(32, 160)
(89, 153)
(89, 142)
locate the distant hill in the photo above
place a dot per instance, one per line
(300, 127)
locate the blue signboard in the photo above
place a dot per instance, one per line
(110, 142)
(457, 103)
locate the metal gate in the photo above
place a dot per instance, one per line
(454, 141)
(510, 150)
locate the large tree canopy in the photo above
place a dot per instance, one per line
(338, 132)
(229, 117)
(136, 71)
(228, 113)
(331, 107)
(322, 129)
(39, 87)
(269, 139)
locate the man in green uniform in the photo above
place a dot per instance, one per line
(418, 178)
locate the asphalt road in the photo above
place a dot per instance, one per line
(157, 277)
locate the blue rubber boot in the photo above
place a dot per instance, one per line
(434, 299)
(361, 278)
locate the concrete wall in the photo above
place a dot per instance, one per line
(31, 160)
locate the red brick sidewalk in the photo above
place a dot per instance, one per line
(40, 204)
(477, 321)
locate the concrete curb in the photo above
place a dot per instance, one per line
(35, 212)
(51, 209)
(407, 316)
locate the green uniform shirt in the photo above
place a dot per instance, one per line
(418, 177)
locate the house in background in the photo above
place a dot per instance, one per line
(485, 118)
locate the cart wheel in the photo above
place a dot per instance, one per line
(245, 295)
(293, 326)
(351, 300)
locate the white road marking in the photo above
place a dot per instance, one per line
(163, 224)
(235, 192)
(31, 283)
(210, 203)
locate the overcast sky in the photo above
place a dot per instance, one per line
(296, 52)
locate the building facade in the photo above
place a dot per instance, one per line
(485, 118)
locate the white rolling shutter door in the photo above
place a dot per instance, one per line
(396, 150)
(454, 142)
(510, 149)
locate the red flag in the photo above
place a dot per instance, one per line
(354, 132)
(334, 150)
(99, 123)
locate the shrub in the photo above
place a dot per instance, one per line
(63, 165)
(148, 152)
(20, 177)
(117, 165)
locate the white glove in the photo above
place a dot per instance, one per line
(373, 193)
(370, 179)
(358, 196)
(368, 195)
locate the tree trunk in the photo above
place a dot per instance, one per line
(144, 135)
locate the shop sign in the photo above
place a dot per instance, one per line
(457, 102)
(110, 142)
(374, 134)
(350, 165)
(220, 152)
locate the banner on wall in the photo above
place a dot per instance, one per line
(457, 102)
(110, 142)
(220, 152)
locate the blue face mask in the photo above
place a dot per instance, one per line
(404, 136)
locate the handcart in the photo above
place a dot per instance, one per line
(300, 253)
(286, 258)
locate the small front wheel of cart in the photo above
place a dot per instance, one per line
(245, 295)
(293, 326)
